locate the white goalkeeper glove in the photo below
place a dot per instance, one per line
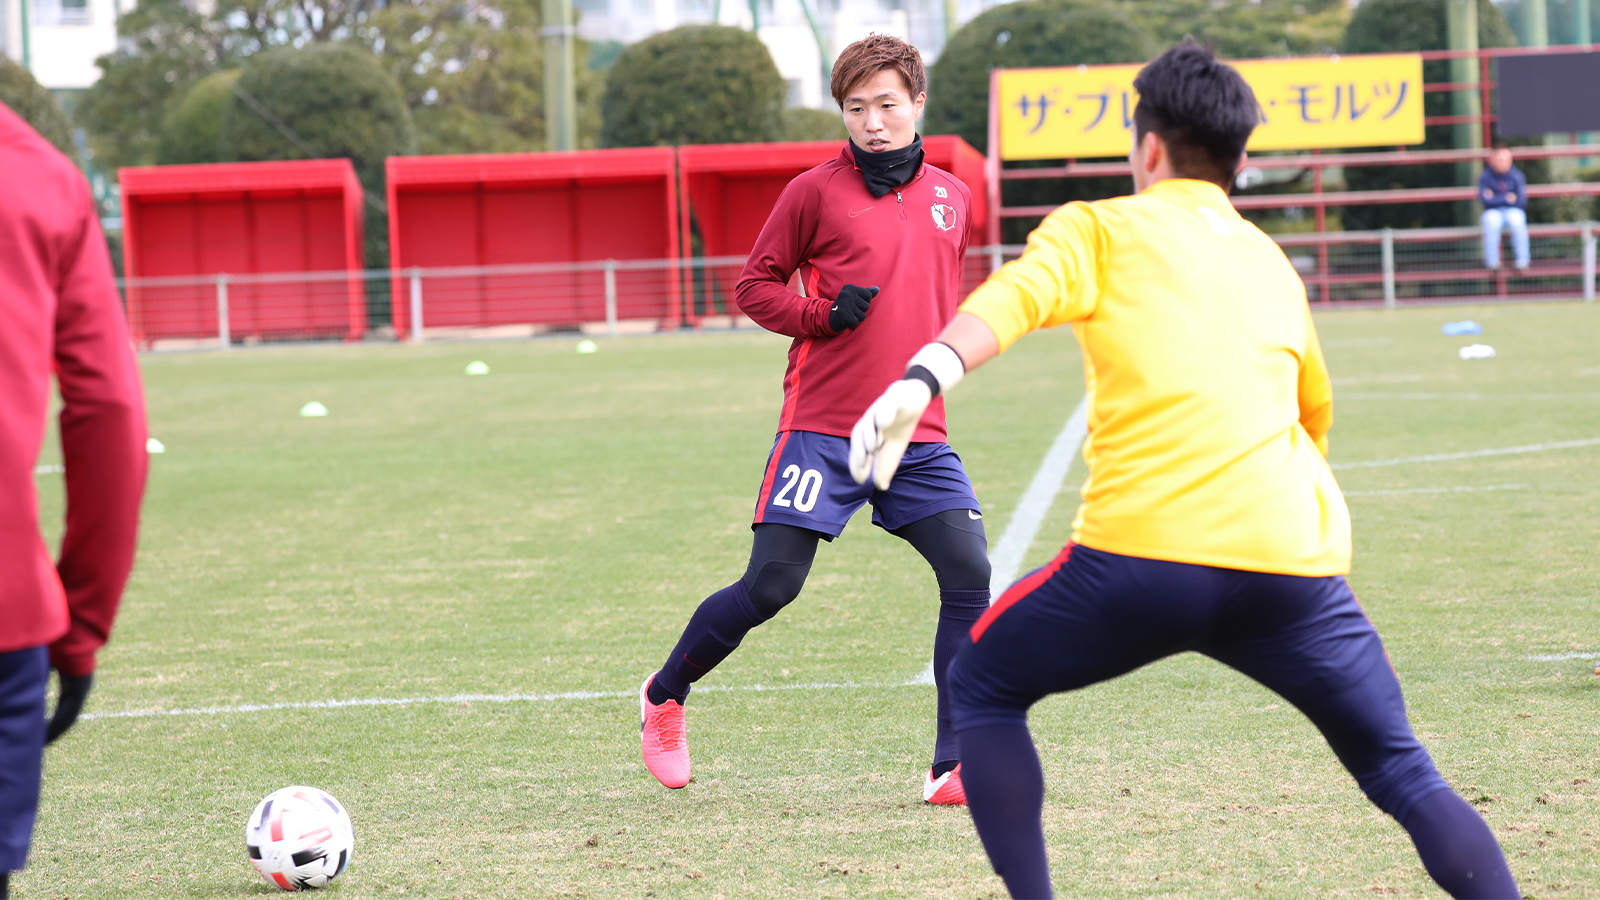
(884, 431)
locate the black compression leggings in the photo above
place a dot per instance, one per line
(952, 542)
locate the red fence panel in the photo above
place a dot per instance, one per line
(519, 210)
(223, 219)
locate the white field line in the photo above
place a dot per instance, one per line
(455, 699)
(1005, 560)
(1381, 395)
(1561, 657)
(465, 698)
(49, 470)
(1457, 489)
(1468, 454)
(1006, 557)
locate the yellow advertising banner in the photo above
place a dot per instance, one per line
(1072, 112)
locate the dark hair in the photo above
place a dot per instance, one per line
(1202, 108)
(871, 55)
(1500, 145)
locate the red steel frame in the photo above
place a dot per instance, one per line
(1317, 199)
(243, 188)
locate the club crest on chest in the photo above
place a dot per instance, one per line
(944, 216)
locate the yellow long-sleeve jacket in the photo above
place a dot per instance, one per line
(1209, 401)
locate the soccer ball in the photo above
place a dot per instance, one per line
(299, 837)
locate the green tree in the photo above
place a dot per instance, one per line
(192, 131)
(1247, 29)
(1561, 20)
(322, 101)
(257, 25)
(698, 84)
(35, 105)
(473, 75)
(1028, 33)
(166, 47)
(1390, 26)
(319, 101)
(804, 124)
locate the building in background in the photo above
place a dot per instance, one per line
(58, 40)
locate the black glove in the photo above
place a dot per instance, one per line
(74, 690)
(850, 307)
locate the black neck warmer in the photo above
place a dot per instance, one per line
(888, 169)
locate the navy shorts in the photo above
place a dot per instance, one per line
(23, 675)
(808, 484)
(1090, 616)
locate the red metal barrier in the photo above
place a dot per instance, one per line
(522, 210)
(221, 221)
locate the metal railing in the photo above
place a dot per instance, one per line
(1317, 200)
(610, 297)
(1435, 264)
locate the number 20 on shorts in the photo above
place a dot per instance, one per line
(810, 485)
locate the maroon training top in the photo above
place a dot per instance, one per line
(59, 313)
(909, 243)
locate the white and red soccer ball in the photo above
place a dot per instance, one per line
(299, 837)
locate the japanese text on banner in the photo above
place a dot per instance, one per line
(1313, 103)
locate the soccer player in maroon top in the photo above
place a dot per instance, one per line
(59, 314)
(878, 238)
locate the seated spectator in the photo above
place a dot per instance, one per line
(1504, 192)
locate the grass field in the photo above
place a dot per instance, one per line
(547, 529)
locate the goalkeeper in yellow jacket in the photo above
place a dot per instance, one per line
(1210, 520)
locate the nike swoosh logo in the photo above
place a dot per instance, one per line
(857, 212)
(974, 515)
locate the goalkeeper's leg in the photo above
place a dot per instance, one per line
(1309, 640)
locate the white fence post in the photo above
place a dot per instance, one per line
(1388, 268)
(1588, 261)
(416, 306)
(997, 258)
(224, 333)
(610, 267)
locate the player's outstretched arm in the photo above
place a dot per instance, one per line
(1315, 390)
(882, 434)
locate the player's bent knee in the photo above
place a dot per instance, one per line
(1402, 781)
(775, 585)
(976, 697)
(967, 571)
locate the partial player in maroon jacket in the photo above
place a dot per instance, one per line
(59, 314)
(878, 238)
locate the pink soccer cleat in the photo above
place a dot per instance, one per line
(946, 790)
(663, 739)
